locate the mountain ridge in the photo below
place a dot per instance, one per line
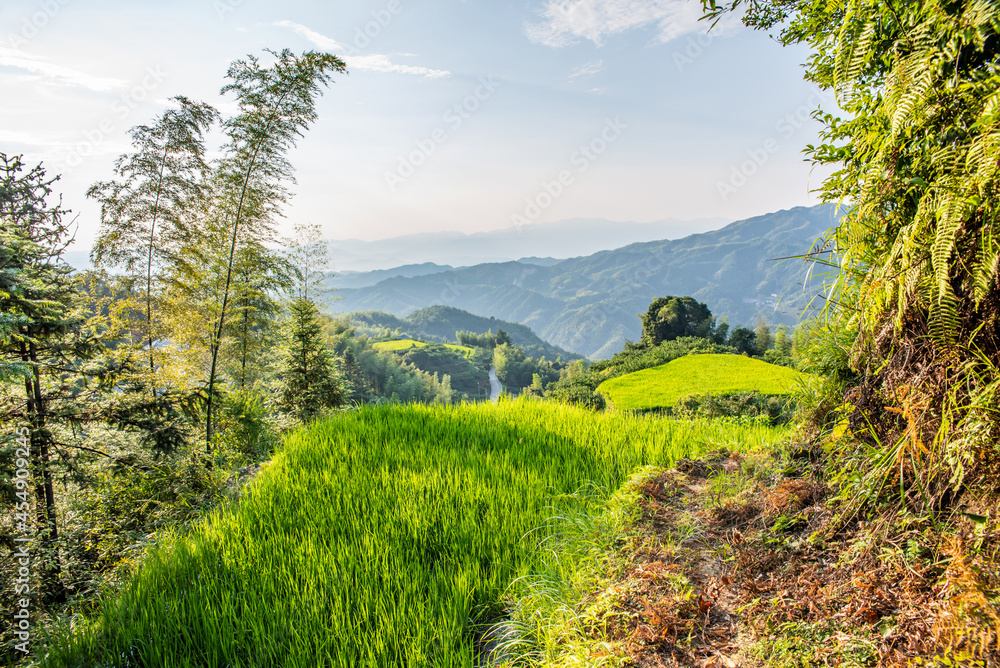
(588, 304)
(561, 239)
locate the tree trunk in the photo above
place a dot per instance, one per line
(149, 268)
(48, 537)
(246, 346)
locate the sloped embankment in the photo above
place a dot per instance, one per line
(731, 564)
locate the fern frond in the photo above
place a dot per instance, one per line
(944, 321)
(853, 52)
(951, 216)
(984, 272)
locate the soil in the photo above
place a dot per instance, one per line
(767, 577)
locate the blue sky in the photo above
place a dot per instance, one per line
(456, 114)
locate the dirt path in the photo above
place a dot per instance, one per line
(732, 565)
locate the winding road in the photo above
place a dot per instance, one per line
(495, 387)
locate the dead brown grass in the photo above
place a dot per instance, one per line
(714, 584)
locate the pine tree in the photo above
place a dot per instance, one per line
(309, 379)
(43, 339)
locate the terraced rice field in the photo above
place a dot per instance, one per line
(385, 536)
(406, 344)
(662, 386)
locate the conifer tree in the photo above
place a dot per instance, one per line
(43, 338)
(309, 379)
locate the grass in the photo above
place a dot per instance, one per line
(400, 344)
(662, 386)
(385, 536)
(406, 344)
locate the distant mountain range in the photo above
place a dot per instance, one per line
(562, 239)
(588, 305)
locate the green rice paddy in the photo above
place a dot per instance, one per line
(406, 344)
(662, 386)
(381, 537)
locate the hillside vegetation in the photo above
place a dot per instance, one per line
(442, 323)
(386, 536)
(406, 344)
(588, 304)
(663, 386)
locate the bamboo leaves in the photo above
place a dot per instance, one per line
(276, 105)
(198, 232)
(143, 212)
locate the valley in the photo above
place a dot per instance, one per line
(587, 305)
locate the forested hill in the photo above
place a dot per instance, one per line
(440, 323)
(589, 304)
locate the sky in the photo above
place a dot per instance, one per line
(461, 115)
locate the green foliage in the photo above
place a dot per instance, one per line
(276, 105)
(376, 376)
(143, 212)
(577, 383)
(308, 378)
(918, 250)
(743, 340)
(468, 380)
(578, 386)
(637, 357)
(473, 340)
(45, 343)
(245, 427)
(128, 500)
(444, 324)
(309, 260)
(776, 409)
(662, 386)
(669, 318)
(517, 371)
(157, 418)
(387, 536)
(763, 337)
(259, 273)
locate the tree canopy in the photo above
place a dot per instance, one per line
(669, 318)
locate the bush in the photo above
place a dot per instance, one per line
(779, 410)
(244, 428)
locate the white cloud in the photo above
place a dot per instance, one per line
(370, 63)
(587, 69)
(566, 21)
(58, 74)
(381, 63)
(322, 41)
(15, 137)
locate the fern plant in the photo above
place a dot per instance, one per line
(917, 146)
